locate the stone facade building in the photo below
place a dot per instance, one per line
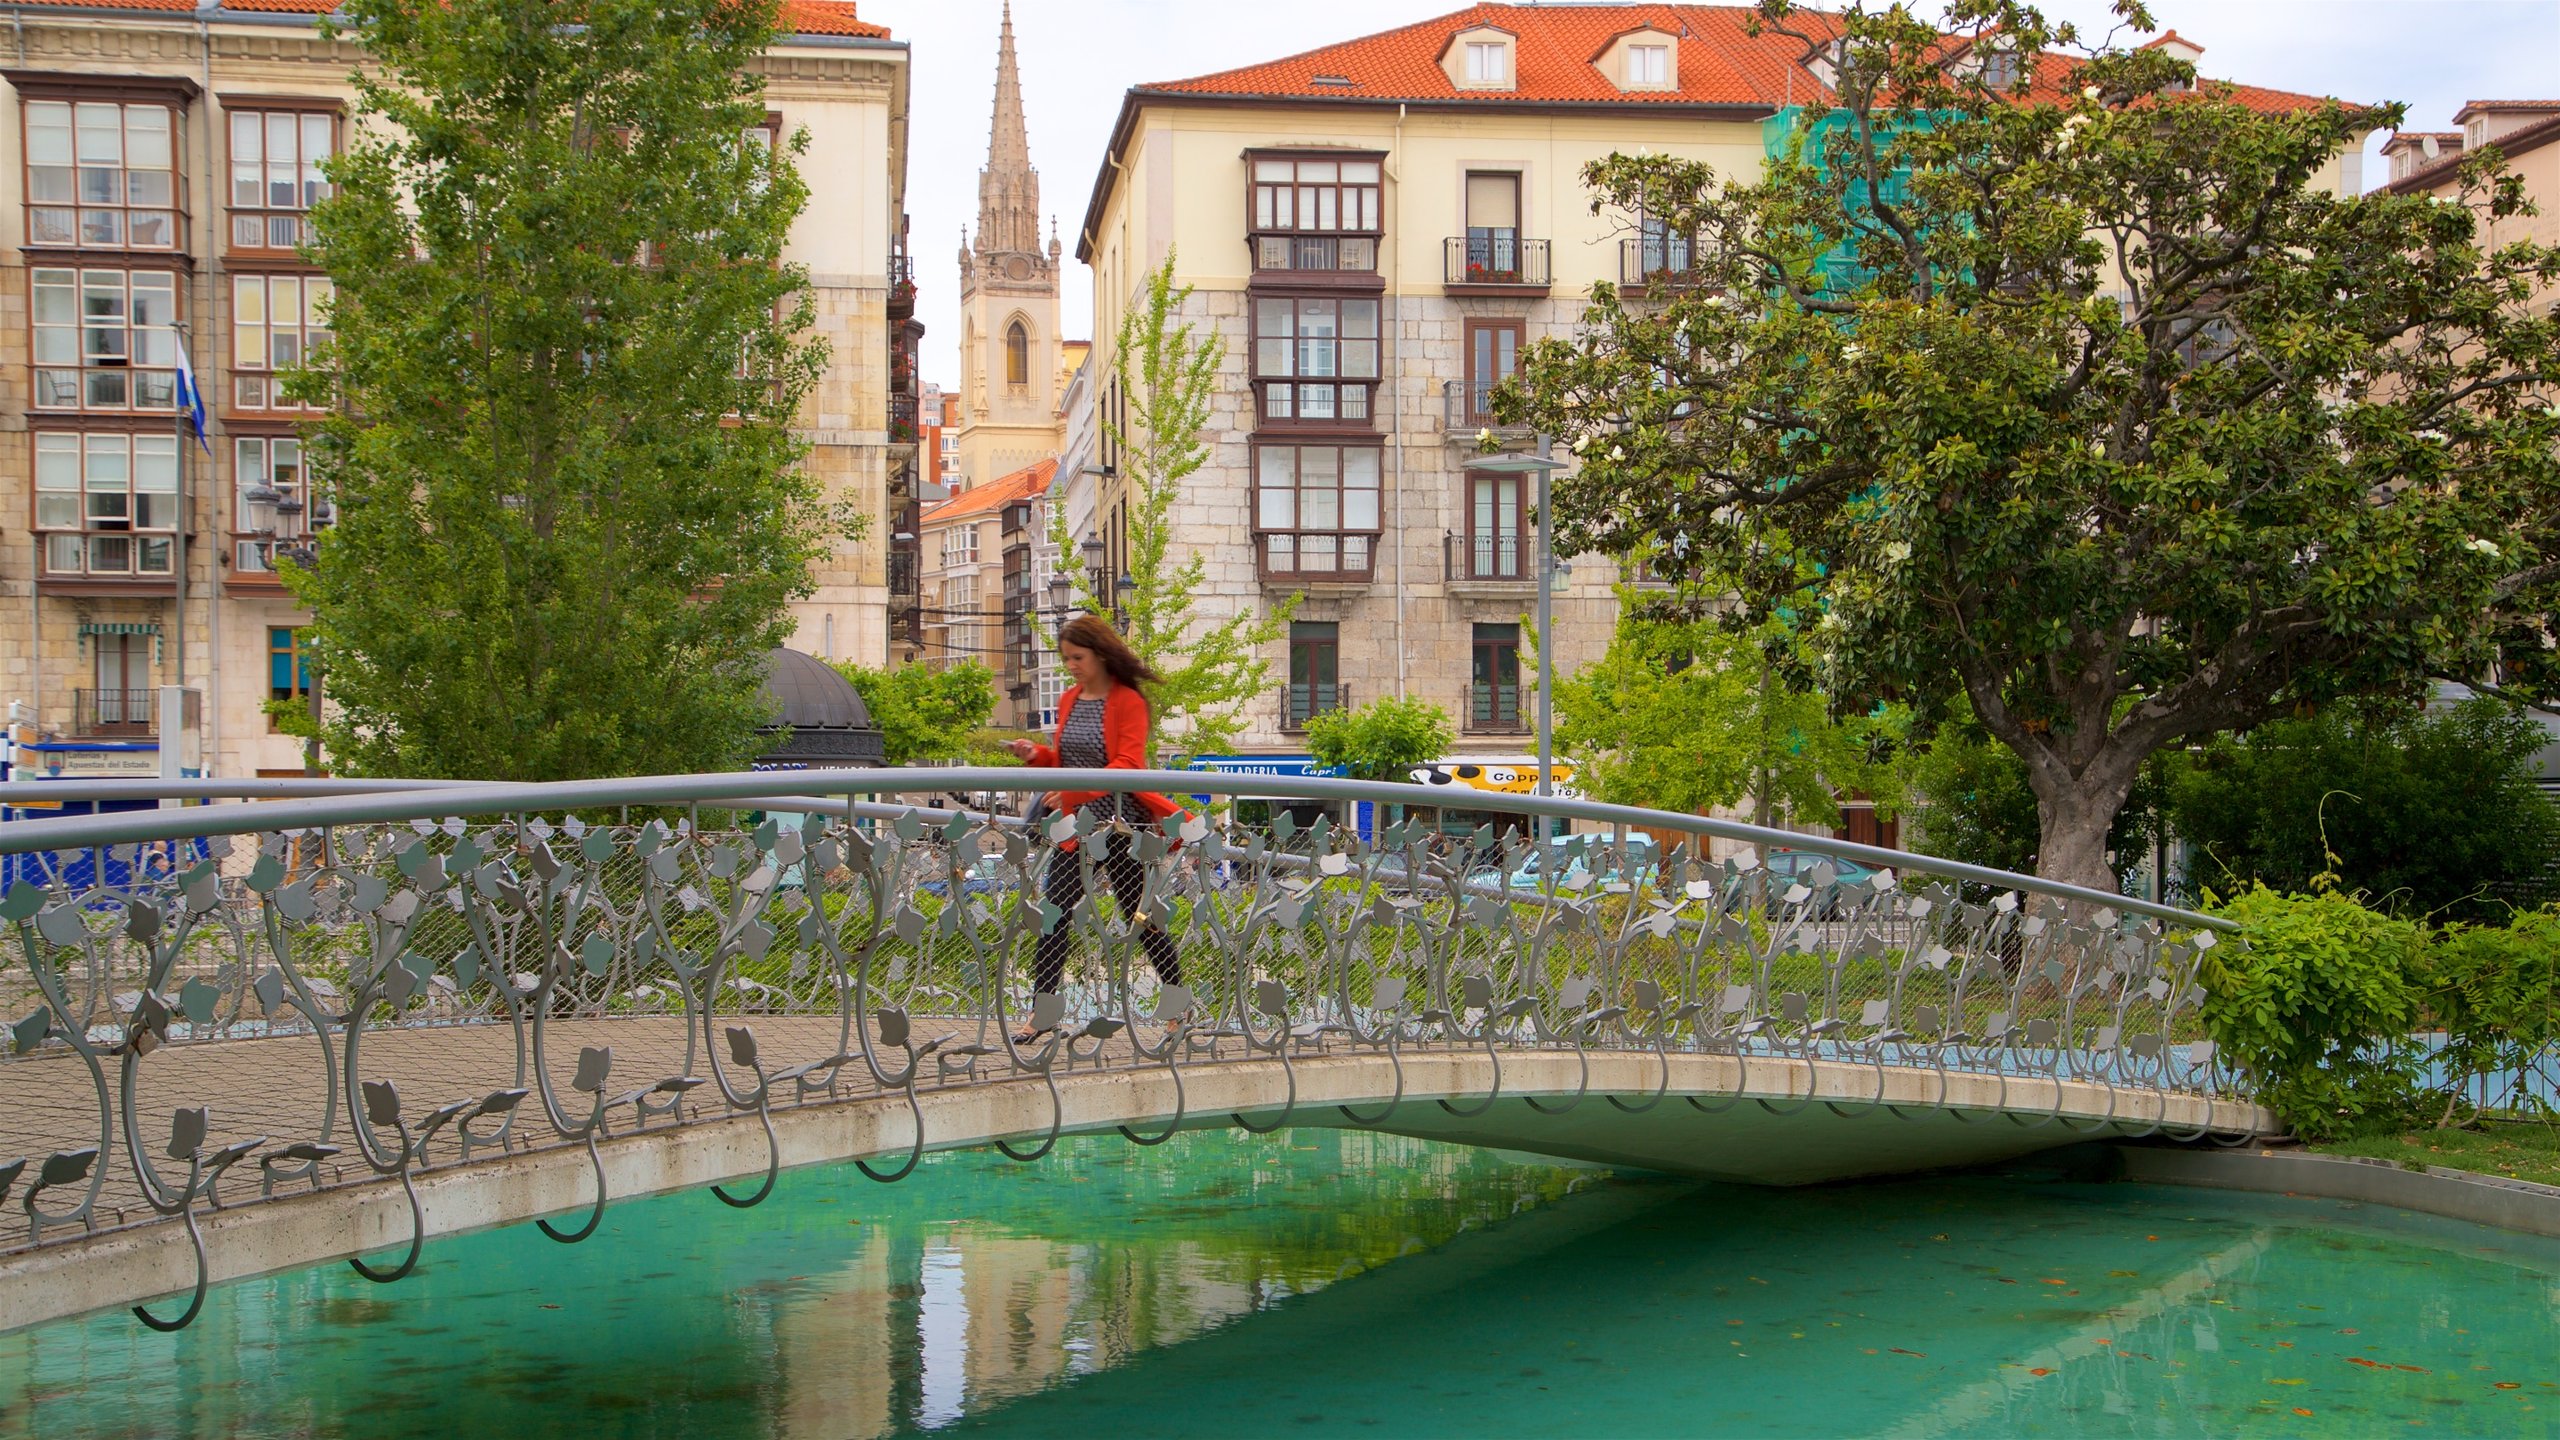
(1375, 229)
(167, 154)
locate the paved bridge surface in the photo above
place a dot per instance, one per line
(385, 1016)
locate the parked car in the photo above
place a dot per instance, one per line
(1641, 865)
(1790, 867)
(985, 876)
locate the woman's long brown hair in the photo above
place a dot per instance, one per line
(1094, 633)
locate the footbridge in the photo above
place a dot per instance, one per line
(334, 1019)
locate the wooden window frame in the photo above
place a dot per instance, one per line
(1279, 395)
(1280, 550)
(81, 369)
(1485, 552)
(1479, 387)
(95, 534)
(1275, 237)
(1296, 709)
(36, 88)
(261, 371)
(1485, 652)
(253, 545)
(262, 213)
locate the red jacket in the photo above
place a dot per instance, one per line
(1124, 747)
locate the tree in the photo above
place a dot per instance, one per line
(2427, 815)
(926, 715)
(1688, 713)
(570, 514)
(1385, 739)
(2084, 400)
(1168, 375)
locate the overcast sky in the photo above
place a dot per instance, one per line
(1078, 56)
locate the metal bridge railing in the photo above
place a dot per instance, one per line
(359, 980)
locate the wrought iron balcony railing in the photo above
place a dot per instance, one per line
(1495, 258)
(115, 712)
(1302, 703)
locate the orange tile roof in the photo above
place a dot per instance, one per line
(799, 17)
(1029, 482)
(1555, 47)
(2515, 142)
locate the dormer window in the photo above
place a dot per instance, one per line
(2000, 70)
(1481, 58)
(1648, 65)
(1640, 59)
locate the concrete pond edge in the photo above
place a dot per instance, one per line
(2465, 1195)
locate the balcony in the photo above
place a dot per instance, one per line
(902, 281)
(1495, 709)
(115, 713)
(1316, 557)
(1301, 703)
(902, 417)
(1466, 406)
(1645, 260)
(1494, 262)
(1493, 562)
(118, 561)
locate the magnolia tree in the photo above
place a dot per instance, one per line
(2083, 397)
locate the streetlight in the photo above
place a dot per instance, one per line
(1123, 591)
(1548, 573)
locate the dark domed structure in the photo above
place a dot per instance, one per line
(821, 722)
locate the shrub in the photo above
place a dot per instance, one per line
(2431, 815)
(2317, 1005)
(2495, 992)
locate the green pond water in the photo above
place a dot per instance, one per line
(1319, 1282)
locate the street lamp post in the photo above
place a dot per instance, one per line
(1541, 465)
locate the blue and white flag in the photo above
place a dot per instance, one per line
(190, 399)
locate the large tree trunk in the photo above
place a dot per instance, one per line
(2074, 813)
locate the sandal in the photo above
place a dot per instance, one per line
(1028, 1037)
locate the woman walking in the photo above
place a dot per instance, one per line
(1103, 723)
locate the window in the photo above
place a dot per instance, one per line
(271, 498)
(95, 492)
(275, 175)
(276, 322)
(123, 702)
(1313, 214)
(1493, 353)
(1017, 355)
(960, 547)
(1315, 668)
(1493, 227)
(1052, 687)
(100, 174)
(1657, 250)
(1648, 65)
(104, 339)
(1493, 694)
(2000, 69)
(1488, 62)
(1315, 359)
(1316, 509)
(288, 668)
(1497, 540)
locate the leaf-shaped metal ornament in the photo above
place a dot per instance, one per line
(29, 1033)
(187, 1131)
(756, 939)
(909, 924)
(596, 954)
(596, 846)
(466, 965)
(294, 903)
(908, 827)
(63, 925)
(21, 900)
(199, 1000)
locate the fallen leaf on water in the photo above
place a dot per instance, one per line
(1737, 1342)
(2273, 1381)
(2006, 1280)
(2122, 1274)
(2298, 1410)
(2501, 1385)
(2057, 1282)
(2102, 1342)
(2413, 1369)
(550, 1307)
(2349, 1331)
(2368, 1364)
(1914, 1354)
(2040, 1370)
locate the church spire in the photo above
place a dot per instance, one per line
(1008, 188)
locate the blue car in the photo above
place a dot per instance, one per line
(985, 876)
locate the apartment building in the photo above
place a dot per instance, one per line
(169, 154)
(1375, 229)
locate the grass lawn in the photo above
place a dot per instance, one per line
(2518, 1150)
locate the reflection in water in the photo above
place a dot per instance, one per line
(1143, 1292)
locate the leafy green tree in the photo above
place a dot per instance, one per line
(1385, 739)
(564, 360)
(1970, 800)
(1687, 713)
(2428, 815)
(1168, 375)
(2097, 411)
(928, 716)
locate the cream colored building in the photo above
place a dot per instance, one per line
(205, 128)
(1012, 356)
(1374, 229)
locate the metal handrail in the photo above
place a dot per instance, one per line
(374, 801)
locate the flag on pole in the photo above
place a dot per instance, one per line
(190, 399)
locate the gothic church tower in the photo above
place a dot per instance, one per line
(1008, 301)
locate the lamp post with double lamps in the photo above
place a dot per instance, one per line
(1549, 573)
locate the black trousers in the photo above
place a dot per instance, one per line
(1064, 887)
